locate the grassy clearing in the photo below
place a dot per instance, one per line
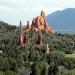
(70, 55)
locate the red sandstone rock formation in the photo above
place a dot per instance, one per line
(33, 24)
(20, 24)
(21, 34)
(40, 23)
(25, 40)
(39, 38)
(28, 25)
(47, 48)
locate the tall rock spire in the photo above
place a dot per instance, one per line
(25, 39)
(21, 34)
(28, 25)
(38, 23)
(47, 48)
(39, 38)
(20, 25)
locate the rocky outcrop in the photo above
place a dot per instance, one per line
(38, 23)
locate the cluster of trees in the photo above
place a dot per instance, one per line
(13, 57)
(56, 64)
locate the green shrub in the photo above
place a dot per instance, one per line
(69, 62)
(56, 57)
(11, 73)
(39, 68)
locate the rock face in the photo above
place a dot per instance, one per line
(39, 38)
(47, 48)
(21, 34)
(28, 26)
(23, 41)
(38, 23)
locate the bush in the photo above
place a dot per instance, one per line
(69, 62)
(4, 64)
(8, 73)
(56, 57)
(34, 55)
(71, 72)
(27, 64)
(11, 73)
(53, 69)
(39, 68)
(1, 73)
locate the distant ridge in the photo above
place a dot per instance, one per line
(63, 21)
(5, 27)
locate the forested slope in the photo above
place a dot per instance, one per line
(13, 57)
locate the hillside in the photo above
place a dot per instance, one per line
(63, 21)
(15, 59)
(7, 34)
(5, 27)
